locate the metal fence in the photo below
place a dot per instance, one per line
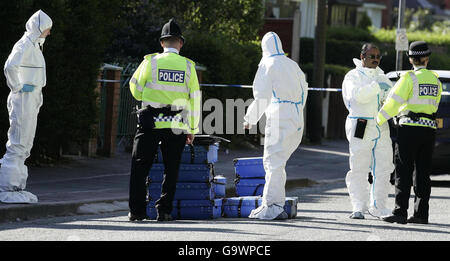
(127, 121)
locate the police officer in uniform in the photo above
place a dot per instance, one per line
(168, 87)
(414, 100)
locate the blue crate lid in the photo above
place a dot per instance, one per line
(250, 201)
(248, 161)
(191, 203)
(250, 182)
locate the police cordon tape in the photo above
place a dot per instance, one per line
(251, 86)
(309, 89)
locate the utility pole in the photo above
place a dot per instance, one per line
(295, 52)
(314, 102)
(401, 41)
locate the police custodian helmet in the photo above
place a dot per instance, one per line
(418, 49)
(171, 29)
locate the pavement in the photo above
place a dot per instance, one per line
(99, 185)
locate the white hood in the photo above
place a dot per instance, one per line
(370, 71)
(271, 45)
(361, 90)
(279, 83)
(38, 23)
(26, 63)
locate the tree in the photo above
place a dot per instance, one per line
(238, 19)
(138, 25)
(314, 101)
(365, 22)
(417, 19)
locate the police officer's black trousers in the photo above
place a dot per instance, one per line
(144, 150)
(414, 149)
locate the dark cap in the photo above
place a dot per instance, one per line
(419, 49)
(171, 29)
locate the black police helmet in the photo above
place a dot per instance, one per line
(418, 49)
(171, 29)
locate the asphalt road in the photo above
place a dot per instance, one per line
(323, 211)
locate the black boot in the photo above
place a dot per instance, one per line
(133, 217)
(163, 217)
(417, 220)
(394, 219)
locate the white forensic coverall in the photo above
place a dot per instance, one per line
(364, 91)
(279, 91)
(25, 65)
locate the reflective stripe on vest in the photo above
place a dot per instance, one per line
(415, 100)
(195, 94)
(188, 72)
(385, 114)
(416, 93)
(163, 87)
(397, 98)
(423, 122)
(138, 86)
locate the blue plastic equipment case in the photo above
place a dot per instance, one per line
(237, 207)
(191, 209)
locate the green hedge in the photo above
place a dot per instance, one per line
(342, 50)
(388, 36)
(330, 69)
(227, 62)
(339, 52)
(347, 32)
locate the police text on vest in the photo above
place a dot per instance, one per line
(428, 90)
(170, 76)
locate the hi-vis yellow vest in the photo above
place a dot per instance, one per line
(168, 79)
(416, 91)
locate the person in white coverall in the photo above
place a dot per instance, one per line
(26, 75)
(279, 91)
(364, 90)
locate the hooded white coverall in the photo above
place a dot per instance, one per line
(363, 98)
(25, 65)
(280, 91)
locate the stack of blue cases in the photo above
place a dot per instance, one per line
(198, 193)
(249, 184)
(238, 207)
(250, 176)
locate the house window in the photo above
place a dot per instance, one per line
(280, 8)
(342, 15)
